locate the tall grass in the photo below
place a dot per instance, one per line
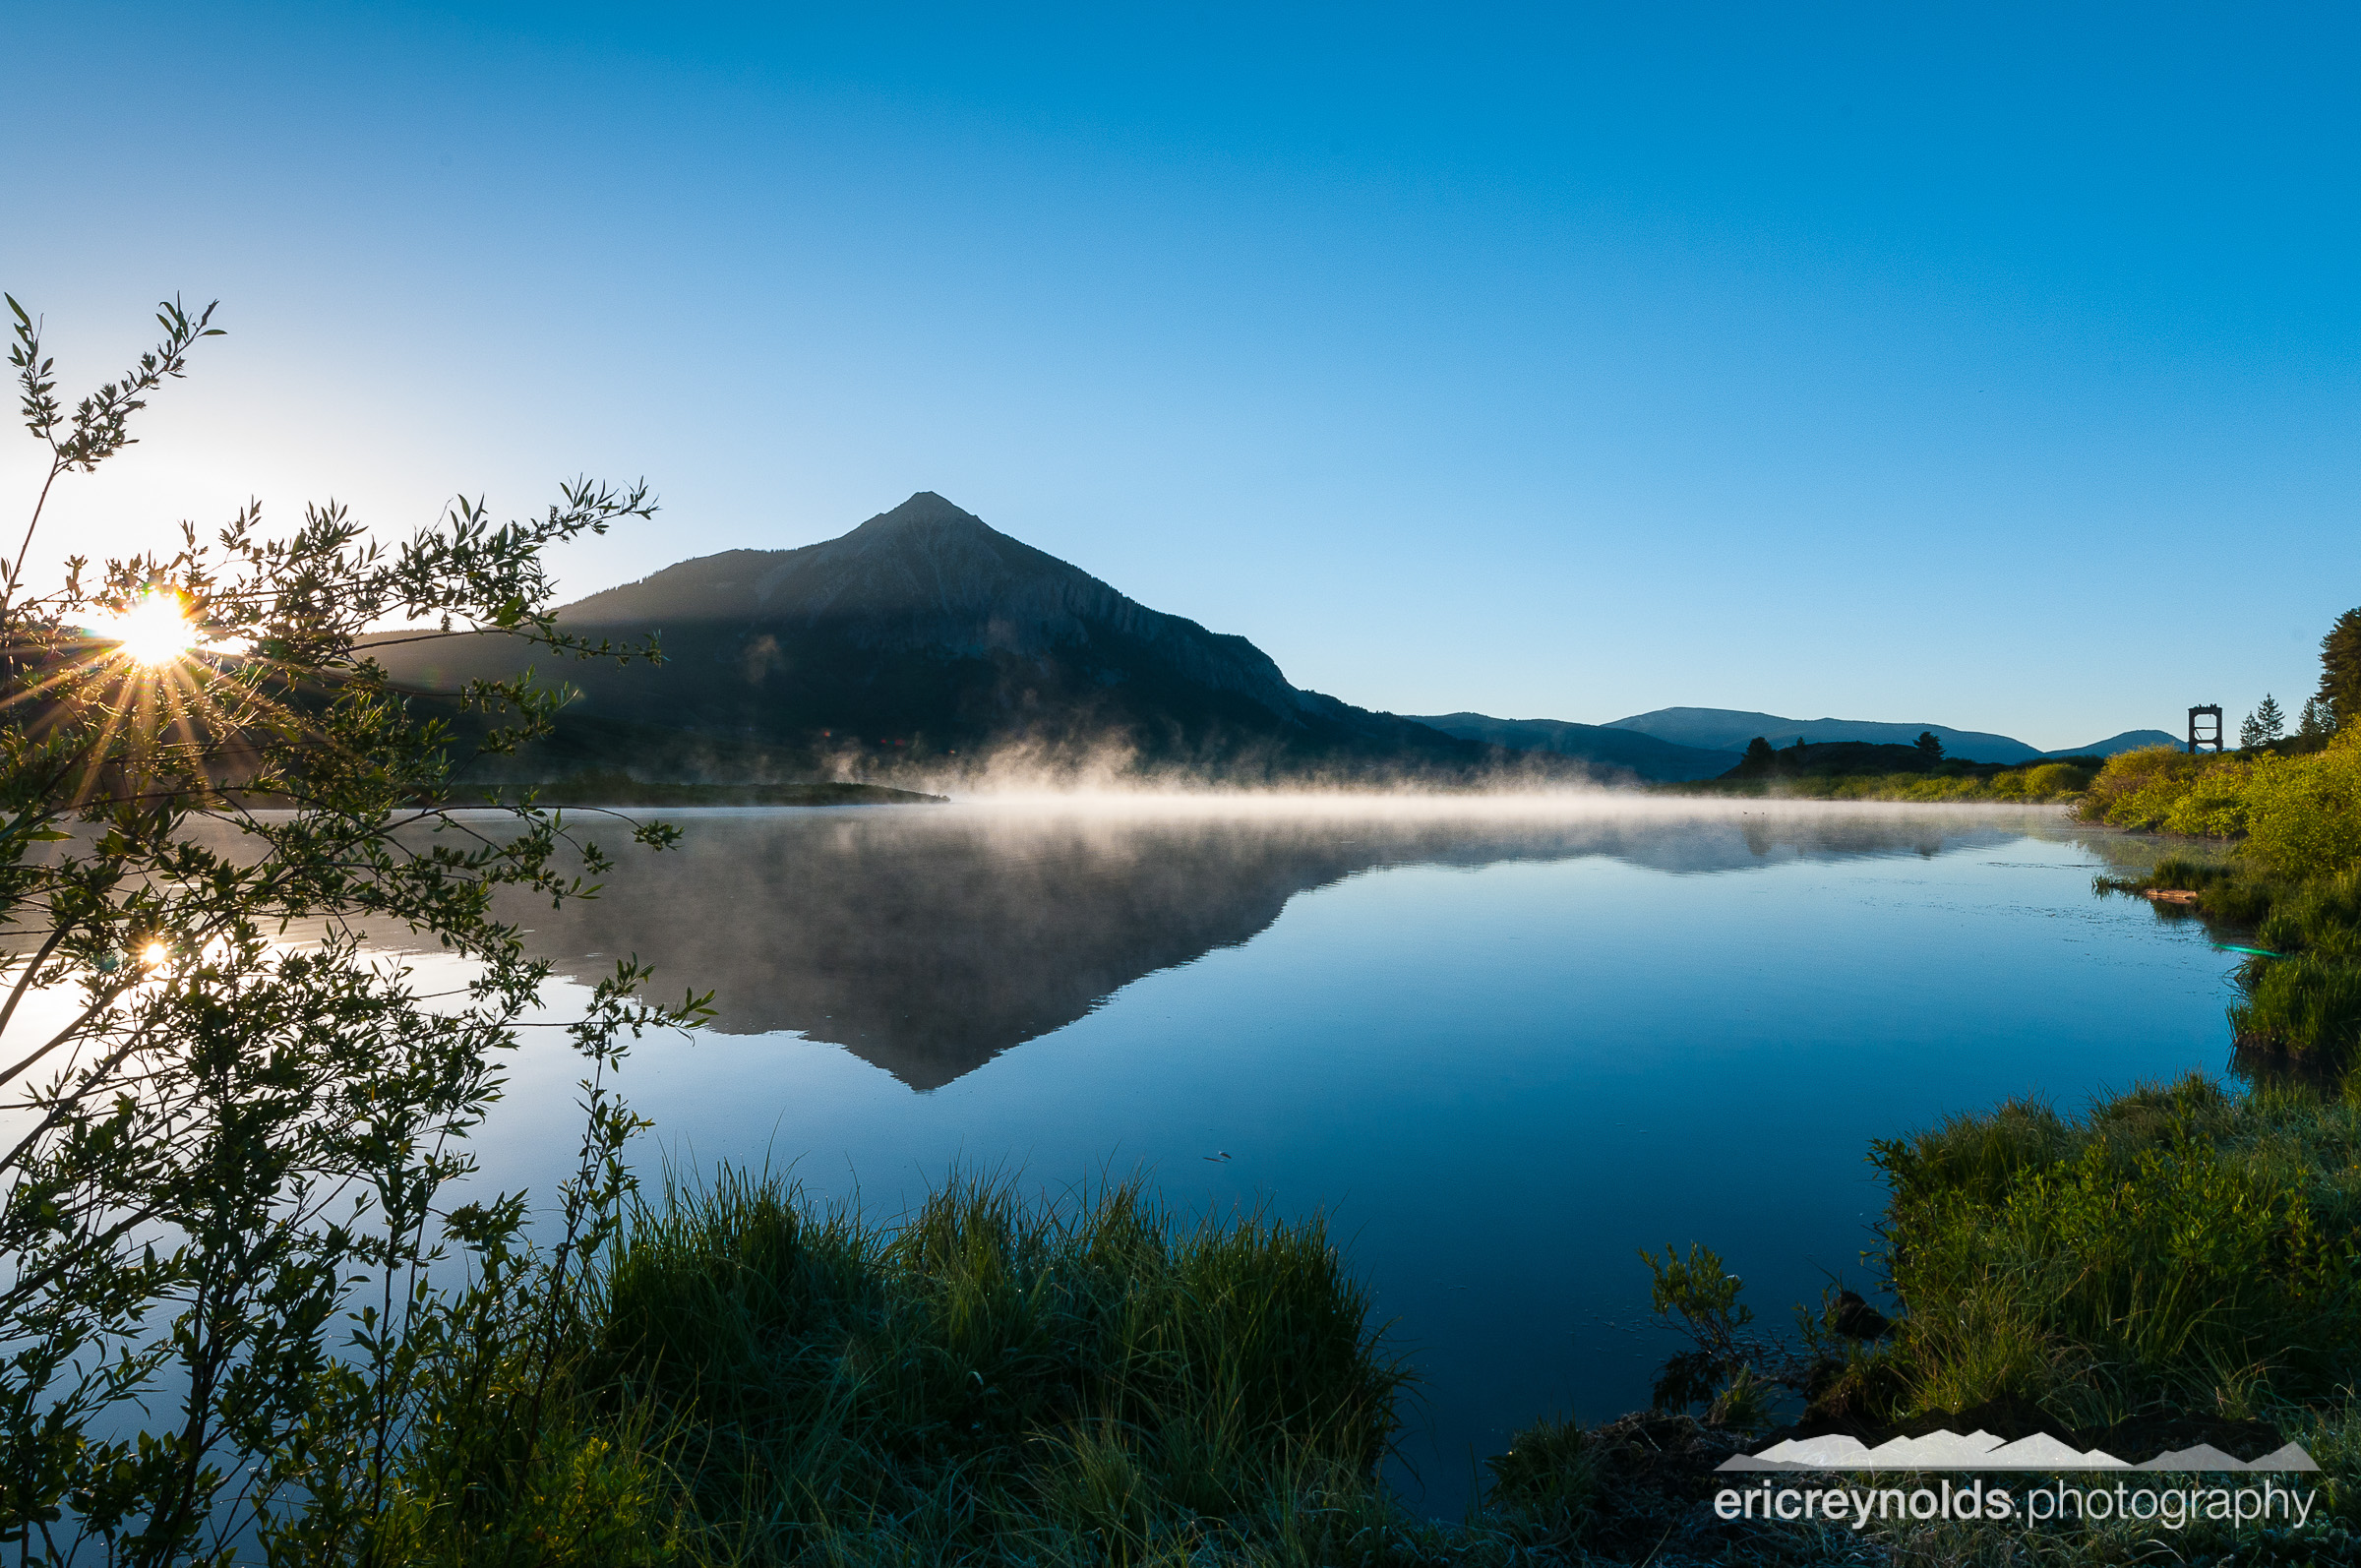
(757, 1378)
(997, 1379)
(2321, 917)
(2306, 1009)
(2178, 1247)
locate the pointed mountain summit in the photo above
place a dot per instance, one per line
(926, 633)
(928, 575)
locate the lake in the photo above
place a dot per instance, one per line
(1504, 1045)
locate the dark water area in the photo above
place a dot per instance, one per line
(1502, 1048)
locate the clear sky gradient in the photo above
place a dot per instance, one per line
(1993, 367)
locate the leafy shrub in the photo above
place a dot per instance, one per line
(2177, 1245)
(227, 1183)
(2210, 803)
(2299, 814)
(2138, 788)
(2304, 812)
(2052, 780)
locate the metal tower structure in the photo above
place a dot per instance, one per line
(2199, 738)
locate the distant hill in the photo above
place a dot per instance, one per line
(2128, 741)
(1730, 729)
(1598, 745)
(925, 635)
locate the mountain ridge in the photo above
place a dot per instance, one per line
(1731, 728)
(924, 634)
(1644, 756)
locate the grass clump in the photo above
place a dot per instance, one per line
(998, 1380)
(2306, 1010)
(2320, 918)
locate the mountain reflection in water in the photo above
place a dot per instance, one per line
(927, 941)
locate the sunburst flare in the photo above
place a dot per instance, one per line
(153, 630)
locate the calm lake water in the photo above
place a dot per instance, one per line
(1503, 1049)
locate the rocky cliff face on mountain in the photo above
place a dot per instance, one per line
(925, 634)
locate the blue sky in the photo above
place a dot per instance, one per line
(1988, 366)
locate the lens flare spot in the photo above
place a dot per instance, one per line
(155, 954)
(153, 630)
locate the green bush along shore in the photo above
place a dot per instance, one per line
(2041, 784)
(1852, 771)
(2285, 880)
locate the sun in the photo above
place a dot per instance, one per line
(153, 630)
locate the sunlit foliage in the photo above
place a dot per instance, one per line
(231, 1134)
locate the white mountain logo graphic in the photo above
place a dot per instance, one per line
(1980, 1449)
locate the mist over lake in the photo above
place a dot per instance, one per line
(1504, 1044)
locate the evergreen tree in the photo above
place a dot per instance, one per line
(2312, 723)
(1758, 750)
(2269, 723)
(2340, 671)
(2250, 733)
(1929, 747)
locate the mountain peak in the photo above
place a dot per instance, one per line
(925, 509)
(927, 631)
